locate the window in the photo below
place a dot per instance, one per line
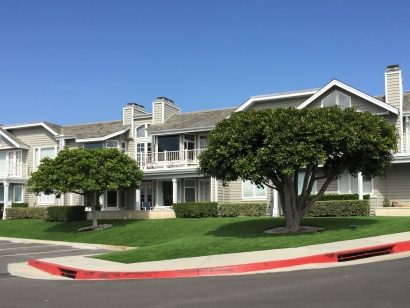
(348, 184)
(203, 144)
(46, 199)
(336, 98)
(112, 144)
(40, 153)
(18, 194)
(2, 194)
(204, 191)
(112, 198)
(3, 156)
(190, 191)
(301, 178)
(123, 147)
(94, 145)
(141, 131)
(250, 190)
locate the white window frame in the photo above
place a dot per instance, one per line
(350, 178)
(145, 131)
(194, 187)
(107, 141)
(199, 190)
(22, 194)
(301, 177)
(106, 207)
(123, 146)
(36, 160)
(254, 197)
(337, 99)
(50, 199)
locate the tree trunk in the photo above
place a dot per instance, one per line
(293, 222)
(94, 214)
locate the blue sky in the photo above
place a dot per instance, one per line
(70, 62)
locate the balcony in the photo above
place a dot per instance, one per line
(406, 143)
(167, 159)
(14, 170)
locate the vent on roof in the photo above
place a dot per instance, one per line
(392, 68)
(135, 104)
(163, 98)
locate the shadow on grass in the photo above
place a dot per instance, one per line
(72, 227)
(254, 228)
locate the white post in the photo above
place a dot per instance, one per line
(71, 199)
(174, 191)
(360, 185)
(186, 157)
(212, 191)
(216, 190)
(62, 200)
(165, 159)
(6, 199)
(275, 204)
(138, 199)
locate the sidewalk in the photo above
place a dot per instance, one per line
(81, 267)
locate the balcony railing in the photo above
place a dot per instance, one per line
(167, 159)
(14, 170)
(406, 142)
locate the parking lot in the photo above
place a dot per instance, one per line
(16, 251)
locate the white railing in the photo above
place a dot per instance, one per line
(406, 143)
(166, 159)
(17, 170)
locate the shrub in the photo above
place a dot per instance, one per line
(19, 205)
(65, 213)
(330, 197)
(242, 209)
(25, 212)
(195, 209)
(339, 208)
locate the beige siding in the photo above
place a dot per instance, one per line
(130, 199)
(393, 87)
(127, 115)
(396, 186)
(169, 110)
(5, 144)
(356, 101)
(395, 120)
(72, 144)
(291, 102)
(157, 113)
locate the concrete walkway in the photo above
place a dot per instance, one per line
(81, 267)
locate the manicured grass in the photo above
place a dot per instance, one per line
(180, 238)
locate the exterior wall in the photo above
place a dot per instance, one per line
(291, 102)
(35, 137)
(356, 101)
(127, 115)
(169, 110)
(157, 109)
(72, 144)
(5, 144)
(393, 88)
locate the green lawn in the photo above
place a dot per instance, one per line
(180, 238)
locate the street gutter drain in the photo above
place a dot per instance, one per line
(68, 273)
(361, 254)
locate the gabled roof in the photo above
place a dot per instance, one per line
(13, 139)
(337, 83)
(261, 98)
(191, 121)
(94, 131)
(52, 128)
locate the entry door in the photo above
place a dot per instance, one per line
(146, 193)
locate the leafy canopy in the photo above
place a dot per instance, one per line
(263, 145)
(83, 171)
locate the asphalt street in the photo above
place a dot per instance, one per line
(377, 284)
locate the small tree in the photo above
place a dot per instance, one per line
(87, 172)
(271, 147)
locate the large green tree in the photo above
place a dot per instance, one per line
(87, 172)
(272, 147)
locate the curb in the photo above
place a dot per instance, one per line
(75, 273)
(74, 245)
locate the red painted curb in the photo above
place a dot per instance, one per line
(60, 270)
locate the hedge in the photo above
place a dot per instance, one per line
(195, 209)
(337, 208)
(25, 213)
(65, 213)
(330, 197)
(242, 209)
(15, 205)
